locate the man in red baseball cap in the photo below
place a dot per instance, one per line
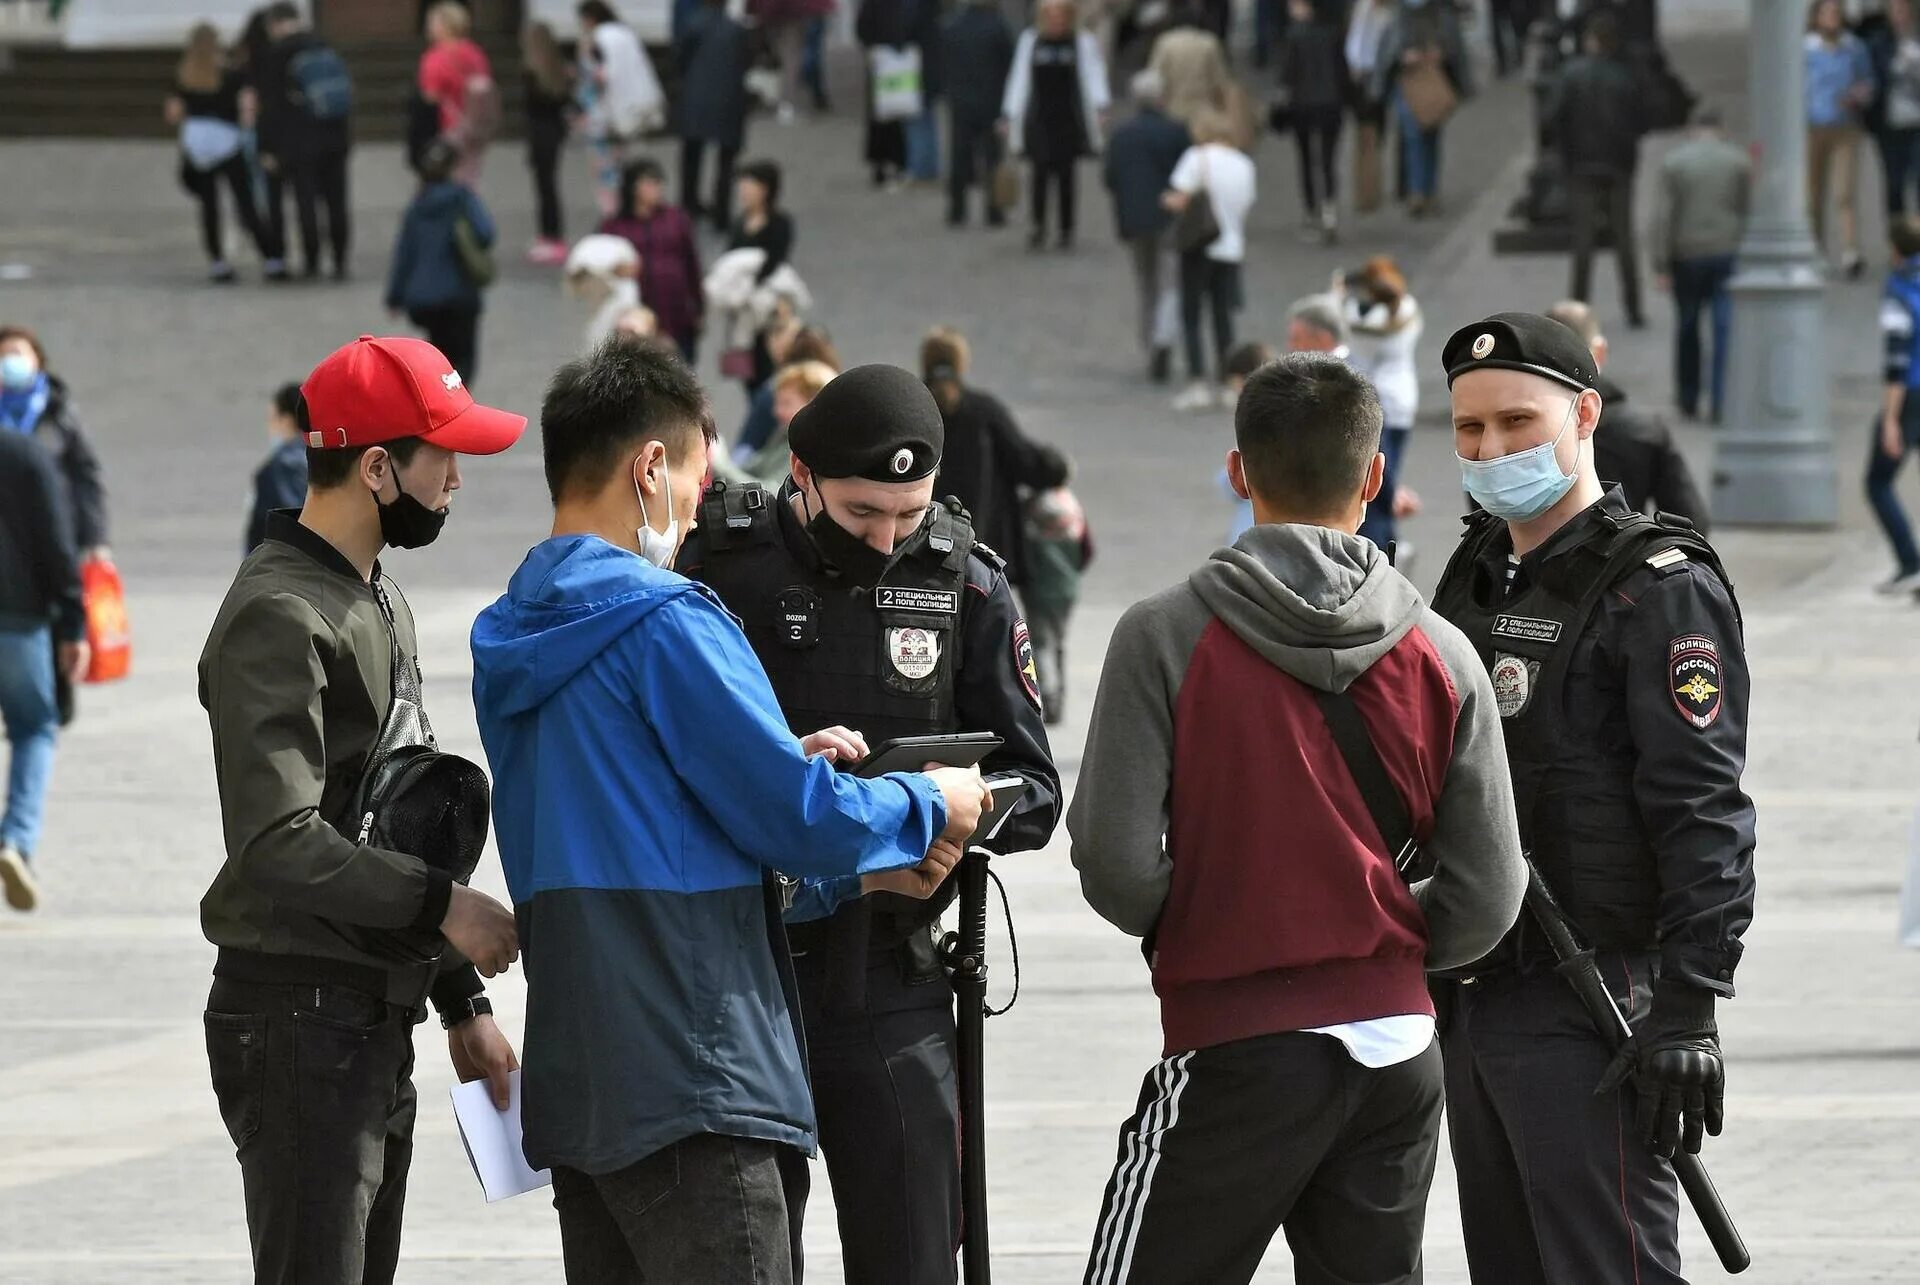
(331, 939)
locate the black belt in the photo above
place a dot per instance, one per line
(262, 969)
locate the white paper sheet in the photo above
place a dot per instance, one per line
(492, 1139)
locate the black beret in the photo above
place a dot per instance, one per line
(874, 422)
(1523, 341)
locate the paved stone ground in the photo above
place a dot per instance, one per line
(113, 1165)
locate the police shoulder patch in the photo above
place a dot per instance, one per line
(1023, 662)
(1694, 675)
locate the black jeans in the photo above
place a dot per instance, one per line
(456, 333)
(707, 1208)
(885, 1088)
(1700, 286)
(1900, 162)
(1589, 195)
(205, 186)
(318, 179)
(1555, 1184)
(1215, 286)
(543, 154)
(1316, 133)
(692, 161)
(1060, 174)
(975, 148)
(1230, 1144)
(315, 1086)
(1882, 470)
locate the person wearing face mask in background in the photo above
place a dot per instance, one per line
(870, 604)
(648, 791)
(330, 945)
(1614, 645)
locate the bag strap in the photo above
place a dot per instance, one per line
(1383, 801)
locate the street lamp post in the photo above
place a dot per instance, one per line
(1775, 459)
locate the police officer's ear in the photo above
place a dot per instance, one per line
(1586, 414)
(1237, 475)
(802, 475)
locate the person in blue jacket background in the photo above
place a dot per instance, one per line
(646, 788)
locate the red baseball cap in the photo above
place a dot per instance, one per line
(381, 390)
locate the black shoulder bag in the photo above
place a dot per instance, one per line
(1383, 801)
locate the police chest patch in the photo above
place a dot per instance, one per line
(941, 602)
(1024, 662)
(914, 653)
(1693, 672)
(1526, 629)
(1512, 683)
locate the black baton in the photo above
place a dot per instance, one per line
(1583, 974)
(966, 953)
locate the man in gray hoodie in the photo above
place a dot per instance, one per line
(1218, 818)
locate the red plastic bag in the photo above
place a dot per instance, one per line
(109, 636)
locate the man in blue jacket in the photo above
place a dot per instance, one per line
(647, 788)
(1139, 169)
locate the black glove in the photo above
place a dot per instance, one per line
(1674, 1062)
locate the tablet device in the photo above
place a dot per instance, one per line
(912, 753)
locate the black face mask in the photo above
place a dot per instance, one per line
(853, 557)
(408, 524)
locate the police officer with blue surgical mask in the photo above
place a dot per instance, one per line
(1614, 645)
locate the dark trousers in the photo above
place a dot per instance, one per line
(543, 153)
(1900, 162)
(1592, 197)
(693, 155)
(1700, 285)
(205, 186)
(885, 1090)
(1060, 175)
(1882, 470)
(707, 1208)
(1512, 20)
(1555, 1184)
(456, 333)
(315, 1086)
(1316, 134)
(976, 154)
(1379, 526)
(1232, 1143)
(316, 179)
(1213, 287)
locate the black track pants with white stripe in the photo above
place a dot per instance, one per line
(1233, 1143)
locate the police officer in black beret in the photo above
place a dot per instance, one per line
(1615, 648)
(872, 606)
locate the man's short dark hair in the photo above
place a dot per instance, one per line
(1247, 358)
(1308, 427)
(332, 467)
(599, 407)
(1904, 232)
(287, 401)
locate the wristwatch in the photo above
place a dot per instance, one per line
(465, 1011)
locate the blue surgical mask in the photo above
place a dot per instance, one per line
(17, 370)
(1521, 486)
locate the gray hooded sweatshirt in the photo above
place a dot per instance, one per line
(1216, 813)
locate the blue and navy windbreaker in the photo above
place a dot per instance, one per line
(1900, 326)
(645, 783)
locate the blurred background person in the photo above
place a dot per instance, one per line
(1705, 184)
(1055, 111)
(787, 24)
(762, 225)
(281, 480)
(1596, 112)
(1422, 58)
(1896, 429)
(1383, 325)
(431, 280)
(1367, 30)
(887, 24)
(1839, 86)
(305, 130)
(457, 78)
(42, 643)
(1059, 549)
(1239, 367)
(788, 344)
(669, 262)
(791, 389)
(989, 465)
(38, 403)
(620, 93)
(1194, 67)
(1893, 116)
(603, 272)
(1313, 82)
(549, 99)
(1633, 448)
(711, 49)
(1214, 170)
(1139, 166)
(638, 322)
(210, 106)
(977, 55)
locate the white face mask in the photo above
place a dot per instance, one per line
(657, 547)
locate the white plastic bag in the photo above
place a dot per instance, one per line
(896, 82)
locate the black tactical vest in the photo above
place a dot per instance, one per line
(883, 660)
(1564, 713)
